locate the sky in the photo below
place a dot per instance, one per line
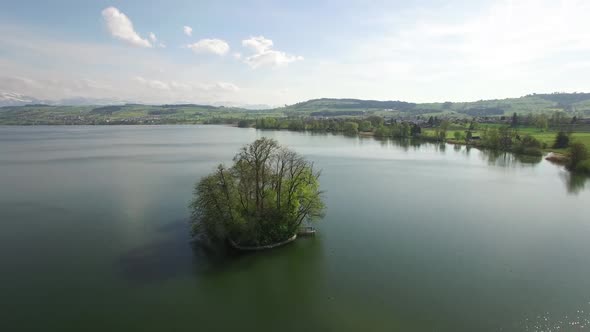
(278, 52)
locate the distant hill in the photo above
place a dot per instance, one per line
(34, 111)
(35, 114)
(347, 104)
(535, 103)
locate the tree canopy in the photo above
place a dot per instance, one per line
(262, 199)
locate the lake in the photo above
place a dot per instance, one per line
(94, 236)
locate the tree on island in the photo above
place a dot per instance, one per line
(261, 200)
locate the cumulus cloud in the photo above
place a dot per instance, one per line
(153, 37)
(120, 27)
(214, 46)
(188, 30)
(237, 55)
(258, 44)
(264, 55)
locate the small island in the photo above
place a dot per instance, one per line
(260, 202)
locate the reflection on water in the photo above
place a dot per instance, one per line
(210, 259)
(160, 259)
(508, 159)
(574, 183)
(407, 143)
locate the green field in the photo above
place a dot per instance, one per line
(125, 114)
(547, 137)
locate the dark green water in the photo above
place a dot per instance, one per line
(94, 237)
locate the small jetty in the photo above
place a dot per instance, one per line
(306, 231)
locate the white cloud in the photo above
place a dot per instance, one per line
(180, 86)
(227, 86)
(237, 55)
(187, 30)
(505, 38)
(154, 84)
(258, 44)
(264, 55)
(54, 88)
(55, 69)
(177, 86)
(155, 42)
(120, 27)
(215, 46)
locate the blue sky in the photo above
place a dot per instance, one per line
(274, 52)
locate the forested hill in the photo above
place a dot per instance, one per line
(577, 104)
(535, 103)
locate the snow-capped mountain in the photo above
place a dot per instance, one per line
(15, 99)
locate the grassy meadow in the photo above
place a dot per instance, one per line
(547, 136)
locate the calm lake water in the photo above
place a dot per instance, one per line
(94, 237)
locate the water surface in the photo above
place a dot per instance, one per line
(417, 237)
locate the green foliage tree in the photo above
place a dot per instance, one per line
(405, 130)
(416, 130)
(558, 118)
(528, 145)
(541, 122)
(506, 138)
(296, 125)
(244, 123)
(365, 126)
(578, 155)
(351, 128)
(383, 131)
(262, 199)
(375, 120)
(562, 140)
(490, 138)
(441, 130)
(514, 121)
